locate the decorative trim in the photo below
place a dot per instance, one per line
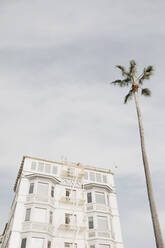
(97, 185)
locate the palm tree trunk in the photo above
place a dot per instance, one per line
(155, 220)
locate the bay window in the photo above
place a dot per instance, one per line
(37, 243)
(102, 223)
(100, 197)
(42, 189)
(40, 215)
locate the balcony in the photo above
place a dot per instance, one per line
(70, 227)
(99, 234)
(36, 226)
(40, 199)
(70, 200)
(97, 207)
(71, 173)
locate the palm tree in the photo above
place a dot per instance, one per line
(135, 83)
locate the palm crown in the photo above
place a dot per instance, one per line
(130, 78)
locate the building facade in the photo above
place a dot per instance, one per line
(62, 205)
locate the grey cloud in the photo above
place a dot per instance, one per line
(56, 62)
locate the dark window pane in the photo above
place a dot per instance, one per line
(23, 243)
(89, 197)
(52, 191)
(31, 188)
(90, 222)
(67, 192)
(27, 216)
(49, 244)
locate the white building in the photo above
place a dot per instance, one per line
(62, 205)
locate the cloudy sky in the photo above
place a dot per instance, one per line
(56, 61)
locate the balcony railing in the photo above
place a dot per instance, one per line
(99, 234)
(71, 227)
(36, 226)
(72, 174)
(97, 207)
(38, 198)
(70, 200)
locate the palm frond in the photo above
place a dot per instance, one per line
(146, 92)
(122, 83)
(128, 96)
(123, 70)
(147, 72)
(132, 68)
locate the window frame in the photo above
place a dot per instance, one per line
(23, 244)
(39, 192)
(105, 178)
(107, 222)
(91, 223)
(52, 191)
(90, 197)
(31, 189)
(70, 219)
(51, 217)
(49, 244)
(27, 214)
(96, 198)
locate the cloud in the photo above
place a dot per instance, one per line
(57, 59)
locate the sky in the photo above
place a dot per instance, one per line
(57, 59)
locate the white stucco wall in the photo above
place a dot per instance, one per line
(54, 233)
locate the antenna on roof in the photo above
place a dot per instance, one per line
(115, 166)
(62, 158)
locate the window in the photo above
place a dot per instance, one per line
(27, 215)
(86, 175)
(73, 194)
(70, 219)
(70, 193)
(42, 189)
(50, 217)
(71, 172)
(40, 167)
(31, 188)
(108, 200)
(49, 244)
(92, 176)
(89, 197)
(52, 191)
(104, 179)
(23, 243)
(67, 192)
(90, 222)
(67, 245)
(37, 243)
(98, 178)
(70, 245)
(100, 197)
(40, 215)
(33, 165)
(54, 171)
(102, 223)
(67, 218)
(47, 168)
